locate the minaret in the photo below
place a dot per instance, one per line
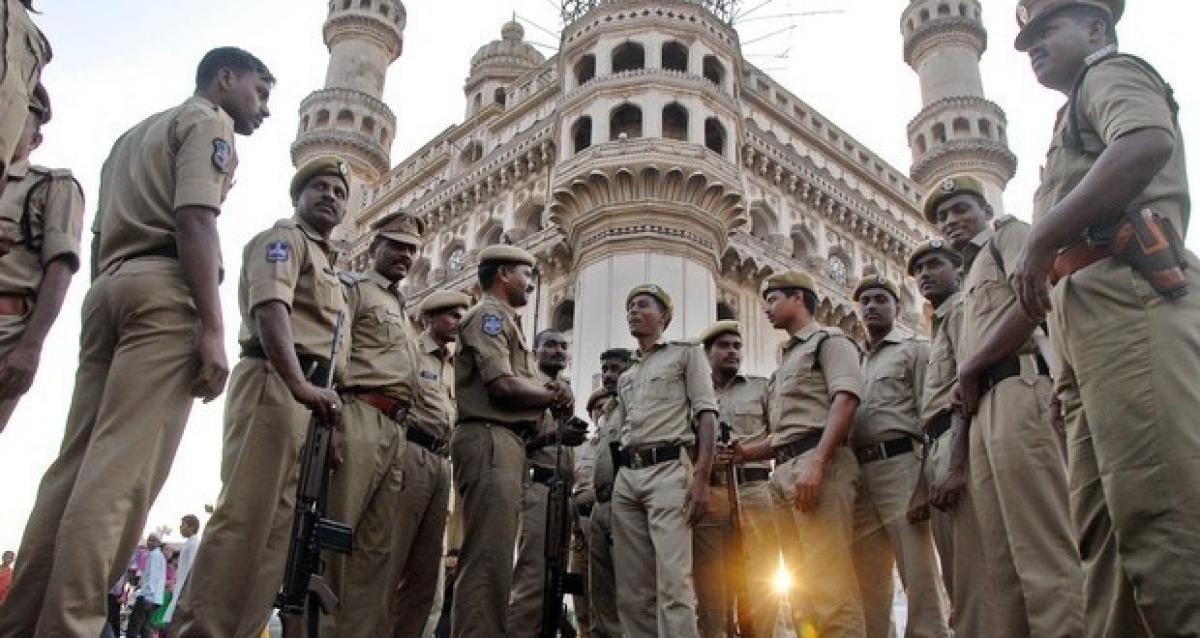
(347, 118)
(958, 129)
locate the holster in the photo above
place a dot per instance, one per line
(1148, 242)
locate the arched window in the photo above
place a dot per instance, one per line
(924, 15)
(345, 118)
(322, 117)
(838, 269)
(498, 96)
(762, 221)
(985, 128)
(304, 124)
(943, 9)
(368, 126)
(714, 71)
(365, 4)
(714, 135)
(629, 56)
(625, 120)
(962, 127)
(472, 153)
(962, 11)
(725, 312)
(346, 4)
(921, 146)
(675, 122)
(490, 236)
(384, 135)
(456, 259)
(564, 316)
(939, 133)
(585, 69)
(675, 57)
(478, 101)
(581, 133)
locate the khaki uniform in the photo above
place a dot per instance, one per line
(658, 397)
(583, 499)
(529, 572)
(238, 570)
(956, 532)
(743, 405)
(140, 324)
(26, 52)
(1018, 472)
(816, 544)
(55, 222)
(425, 500)
(488, 453)
(366, 489)
(1128, 386)
(602, 577)
(894, 372)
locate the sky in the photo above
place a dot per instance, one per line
(118, 61)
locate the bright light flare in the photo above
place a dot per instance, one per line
(782, 581)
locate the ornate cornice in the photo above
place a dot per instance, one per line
(648, 78)
(943, 31)
(982, 106)
(968, 155)
(365, 25)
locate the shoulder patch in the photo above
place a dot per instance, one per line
(426, 374)
(348, 278)
(222, 152)
(278, 251)
(493, 324)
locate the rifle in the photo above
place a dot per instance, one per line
(303, 587)
(558, 581)
(735, 625)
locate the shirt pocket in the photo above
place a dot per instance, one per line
(891, 386)
(983, 297)
(390, 325)
(748, 419)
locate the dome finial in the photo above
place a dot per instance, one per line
(512, 30)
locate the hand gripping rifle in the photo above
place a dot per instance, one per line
(303, 588)
(558, 582)
(737, 625)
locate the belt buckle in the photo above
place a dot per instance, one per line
(635, 460)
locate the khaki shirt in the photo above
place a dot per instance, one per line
(943, 359)
(585, 467)
(26, 49)
(289, 262)
(800, 392)
(743, 405)
(183, 156)
(546, 456)
(661, 394)
(491, 346)
(383, 345)
(605, 473)
(987, 295)
(435, 408)
(894, 374)
(1117, 97)
(55, 224)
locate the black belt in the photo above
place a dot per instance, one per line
(744, 475)
(424, 439)
(1010, 367)
(584, 509)
(885, 450)
(646, 457)
(938, 426)
(541, 474)
(525, 430)
(170, 251)
(789, 451)
(315, 369)
(603, 493)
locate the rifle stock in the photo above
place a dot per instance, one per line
(737, 626)
(303, 588)
(557, 581)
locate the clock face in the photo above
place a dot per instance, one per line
(455, 262)
(837, 269)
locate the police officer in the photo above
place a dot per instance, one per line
(743, 408)
(885, 439)
(1018, 473)
(662, 486)
(1128, 355)
(26, 52)
(952, 520)
(602, 579)
(153, 313)
(550, 349)
(378, 390)
(289, 297)
(811, 399)
(46, 208)
(583, 500)
(415, 565)
(501, 400)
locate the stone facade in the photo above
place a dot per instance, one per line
(649, 150)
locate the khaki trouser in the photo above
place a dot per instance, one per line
(364, 494)
(960, 546)
(580, 542)
(715, 561)
(816, 547)
(1130, 394)
(11, 329)
(489, 466)
(417, 561)
(1019, 484)
(239, 567)
(602, 578)
(120, 440)
(529, 572)
(652, 551)
(883, 539)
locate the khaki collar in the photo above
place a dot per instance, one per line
(429, 345)
(737, 379)
(18, 170)
(893, 336)
(1102, 52)
(374, 277)
(802, 335)
(946, 306)
(971, 250)
(658, 345)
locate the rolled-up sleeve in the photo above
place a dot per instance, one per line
(701, 395)
(62, 221)
(840, 362)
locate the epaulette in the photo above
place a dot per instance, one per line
(348, 277)
(684, 342)
(1003, 221)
